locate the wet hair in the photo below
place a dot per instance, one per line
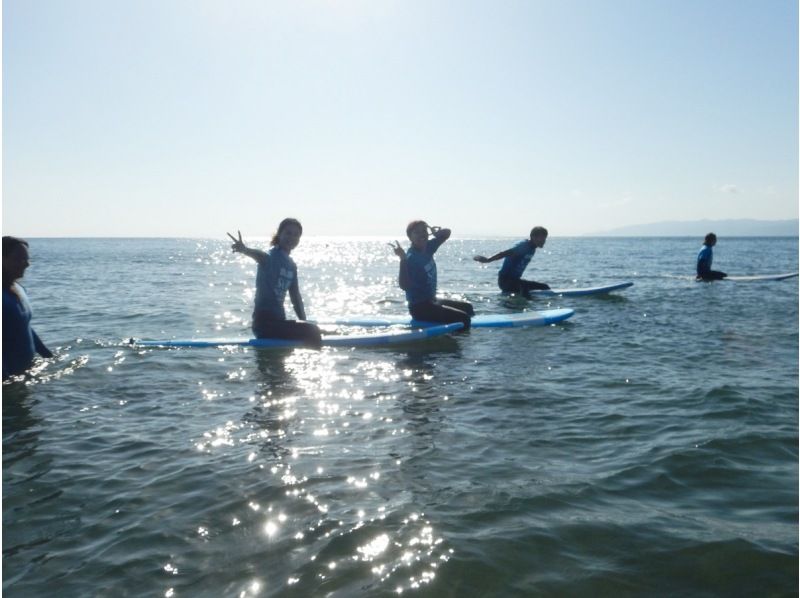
(538, 230)
(11, 243)
(284, 223)
(414, 224)
(710, 238)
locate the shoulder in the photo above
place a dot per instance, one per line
(260, 256)
(524, 247)
(15, 302)
(15, 293)
(276, 253)
(283, 258)
(8, 297)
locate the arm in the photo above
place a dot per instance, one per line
(703, 263)
(40, 347)
(297, 300)
(496, 256)
(439, 233)
(403, 280)
(239, 247)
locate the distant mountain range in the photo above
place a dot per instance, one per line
(699, 228)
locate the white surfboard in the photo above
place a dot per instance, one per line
(600, 290)
(515, 320)
(332, 340)
(761, 277)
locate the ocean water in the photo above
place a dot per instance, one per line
(646, 447)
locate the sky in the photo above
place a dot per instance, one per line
(195, 117)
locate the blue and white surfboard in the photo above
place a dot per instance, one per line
(332, 340)
(515, 320)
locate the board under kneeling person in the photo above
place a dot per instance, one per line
(418, 277)
(515, 260)
(277, 274)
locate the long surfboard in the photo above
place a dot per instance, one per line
(332, 340)
(600, 290)
(761, 277)
(515, 320)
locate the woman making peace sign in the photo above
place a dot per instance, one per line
(277, 274)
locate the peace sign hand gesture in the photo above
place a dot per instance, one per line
(238, 245)
(398, 251)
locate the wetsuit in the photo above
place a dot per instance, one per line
(20, 342)
(421, 289)
(509, 279)
(277, 274)
(704, 260)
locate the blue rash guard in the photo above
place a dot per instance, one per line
(276, 273)
(422, 272)
(20, 342)
(514, 265)
(704, 260)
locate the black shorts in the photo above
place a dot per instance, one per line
(265, 325)
(445, 311)
(517, 285)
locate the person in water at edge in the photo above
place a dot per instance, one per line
(277, 274)
(705, 258)
(515, 260)
(20, 341)
(418, 277)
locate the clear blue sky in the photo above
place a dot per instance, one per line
(193, 117)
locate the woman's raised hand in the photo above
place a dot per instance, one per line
(398, 251)
(238, 244)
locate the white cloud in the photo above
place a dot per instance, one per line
(623, 201)
(728, 188)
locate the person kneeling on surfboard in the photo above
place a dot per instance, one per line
(418, 277)
(276, 274)
(516, 260)
(705, 258)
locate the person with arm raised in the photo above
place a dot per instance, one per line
(515, 260)
(276, 275)
(418, 277)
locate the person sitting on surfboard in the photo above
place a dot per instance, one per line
(516, 259)
(418, 277)
(705, 258)
(276, 274)
(20, 341)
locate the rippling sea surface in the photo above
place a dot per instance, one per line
(647, 446)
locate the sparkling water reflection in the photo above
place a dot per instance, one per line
(649, 443)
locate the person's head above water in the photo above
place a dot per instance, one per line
(288, 236)
(15, 259)
(538, 236)
(417, 233)
(711, 239)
